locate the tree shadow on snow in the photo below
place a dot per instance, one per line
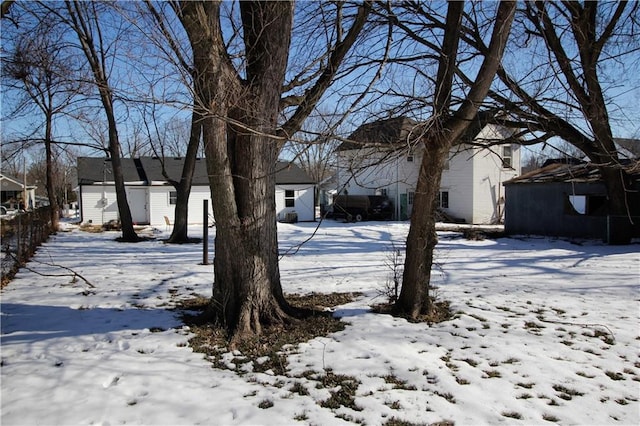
(22, 323)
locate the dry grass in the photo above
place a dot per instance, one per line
(439, 311)
(269, 350)
(90, 228)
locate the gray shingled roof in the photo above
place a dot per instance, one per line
(147, 169)
(391, 131)
(18, 181)
(91, 170)
(173, 166)
(401, 130)
(289, 173)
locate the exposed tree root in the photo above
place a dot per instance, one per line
(212, 337)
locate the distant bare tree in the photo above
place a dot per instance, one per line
(84, 19)
(63, 170)
(40, 67)
(313, 148)
(172, 138)
(169, 42)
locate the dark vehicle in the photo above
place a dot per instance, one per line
(362, 207)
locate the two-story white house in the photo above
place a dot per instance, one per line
(384, 157)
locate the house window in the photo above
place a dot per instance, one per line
(443, 199)
(507, 157)
(289, 198)
(410, 157)
(410, 196)
(173, 197)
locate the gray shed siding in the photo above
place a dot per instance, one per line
(542, 209)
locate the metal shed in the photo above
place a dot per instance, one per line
(566, 200)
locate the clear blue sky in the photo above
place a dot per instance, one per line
(139, 72)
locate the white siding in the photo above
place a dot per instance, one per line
(157, 204)
(368, 172)
(160, 207)
(196, 212)
(473, 180)
(457, 180)
(92, 210)
(303, 202)
(489, 174)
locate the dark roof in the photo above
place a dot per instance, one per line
(562, 172)
(403, 131)
(92, 170)
(173, 166)
(149, 169)
(563, 160)
(16, 180)
(391, 131)
(289, 173)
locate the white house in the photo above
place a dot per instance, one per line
(151, 197)
(383, 158)
(15, 192)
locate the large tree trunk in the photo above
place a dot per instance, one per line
(422, 239)
(581, 75)
(253, 274)
(241, 158)
(247, 277)
(620, 225)
(443, 132)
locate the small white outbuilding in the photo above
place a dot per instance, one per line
(152, 198)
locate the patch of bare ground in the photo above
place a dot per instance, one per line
(439, 311)
(267, 351)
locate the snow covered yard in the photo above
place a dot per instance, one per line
(545, 332)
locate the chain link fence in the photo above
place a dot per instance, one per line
(20, 236)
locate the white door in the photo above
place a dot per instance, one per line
(137, 198)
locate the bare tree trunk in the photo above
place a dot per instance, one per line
(80, 23)
(618, 185)
(242, 139)
(241, 158)
(179, 234)
(51, 192)
(443, 132)
(256, 274)
(592, 28)
(588, 94)
(422, 239)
